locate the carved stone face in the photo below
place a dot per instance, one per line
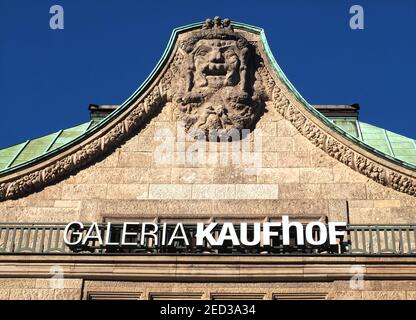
(217, 63)
(217, 83)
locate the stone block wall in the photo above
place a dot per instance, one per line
(296, 178)
(40, 289)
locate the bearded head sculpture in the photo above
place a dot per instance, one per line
(216, 90)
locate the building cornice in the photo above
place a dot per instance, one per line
(205, 268)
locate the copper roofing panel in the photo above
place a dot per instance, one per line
(68, 135)
(388, 142)
(8, 155)
(24, 152)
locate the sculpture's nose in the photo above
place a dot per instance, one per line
(216, 56)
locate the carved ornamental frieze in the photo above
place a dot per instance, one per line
(217, 80)
(341, 152)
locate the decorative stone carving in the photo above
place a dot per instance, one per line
(219, 95)
(295, 116)
(314, 134)
(337, 149)
(402, 183)
(2, 191)
(340, 152)
(280, 102)
(216, 88)
(23, 185)
(371, 170)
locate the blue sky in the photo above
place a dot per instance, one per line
(107, 48)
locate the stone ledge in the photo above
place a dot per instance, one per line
(212, 268)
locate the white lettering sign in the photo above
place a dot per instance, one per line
(244, 234)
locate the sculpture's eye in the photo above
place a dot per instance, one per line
(201, 51)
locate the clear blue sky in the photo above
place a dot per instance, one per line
(108, 47)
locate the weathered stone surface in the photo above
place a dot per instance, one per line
(378, 216)
(194, 175)
(384, 295)
(67, 204)
(286, 129)
(316, 175)
(233, 175)
(127, 207)
(66, 283)
(343, 191)
(368, 285)
(278, 175)
(127, 191)
(398, 285)
(272, 143)
(300, 191)
(67, 294)
(257, 191)
(300, 143)
(34, 214)
(269, 159)
(84, 191)
(32, 294)
(293, 159)
(337, 210)
(343, 174)
(267, 128)
(345, 295)
(170, 191)
(361, 203)
(214, 191)
(111, 161)
(10, 283)
(49, 193)
(4, 294)
(321, 159)
(377, 192)
(387, 204)
(135, 159)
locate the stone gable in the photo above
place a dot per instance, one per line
(296, 178)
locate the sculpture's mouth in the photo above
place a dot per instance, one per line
(215, 69)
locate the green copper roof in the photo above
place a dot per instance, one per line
(384, 143)
(25, 152)
(393, 144)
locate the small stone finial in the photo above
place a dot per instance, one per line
(216, 23)
(227, 23)
(208, 24)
